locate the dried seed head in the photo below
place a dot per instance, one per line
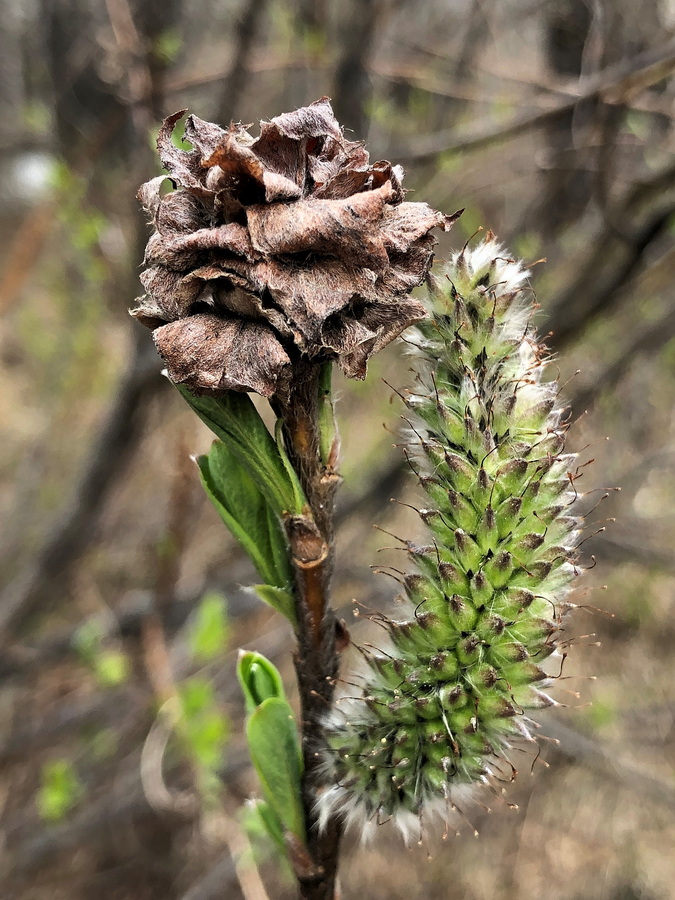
(288, 245)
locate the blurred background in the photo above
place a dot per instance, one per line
(552, 123)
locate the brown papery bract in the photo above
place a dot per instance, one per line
(270, 250)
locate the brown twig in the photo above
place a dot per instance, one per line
(316, 659)
(25, 247)
(647, 340)
(576, 306)
(250, 882)
(352, 86)
(622, 81)
(136, 63)
(244, 39)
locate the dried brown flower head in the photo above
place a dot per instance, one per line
(271, 248)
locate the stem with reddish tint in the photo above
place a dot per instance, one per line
(317, 656)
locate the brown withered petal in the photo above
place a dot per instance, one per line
(311, 292)
(212, 354)
(288, 245)
(173, 293)
(378, 328)
(345, 228)
(179, 213)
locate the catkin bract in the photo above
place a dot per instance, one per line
(449, 695)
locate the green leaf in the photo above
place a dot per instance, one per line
(112, 668)
(196, 694)
(259, 819)
(299, 502)
(59, 790)
(245, 510)
(280, 553)
(273, 740)
(235, 420)
(279, 599)
(208, 737)
(275, 752)
(260, 680)
(210, 631)
(167, 45)
(204, 726)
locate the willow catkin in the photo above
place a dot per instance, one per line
(449, 695)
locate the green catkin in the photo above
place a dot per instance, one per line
(450, 694)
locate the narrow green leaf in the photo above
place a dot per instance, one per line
(236, 421)
(275, 752)
(216, 497)
(299, 502)
(279, 599)
(261, 818)
(260, 680)
(246, 512)
(280, 552)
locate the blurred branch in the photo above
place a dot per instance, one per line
(103, 710)
(29, 845)
(475, 27)
(603, 279)
(22, 660)
(111, 705)
(24, 250)
(650, 339)
(408, 74)
(19, 660)
(624, 548)
(116, 806)
(135, 64)
(489, 69)
(167, 570)
(117, 439)
(234, 83)
(619, 82)
(180, 519)
(239, 864)
(216, 882)
(602, 759)
(128, 798)
(182, 81)
(73, 530)
(245, 866)
(352, 88)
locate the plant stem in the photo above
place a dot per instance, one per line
(316, 658)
